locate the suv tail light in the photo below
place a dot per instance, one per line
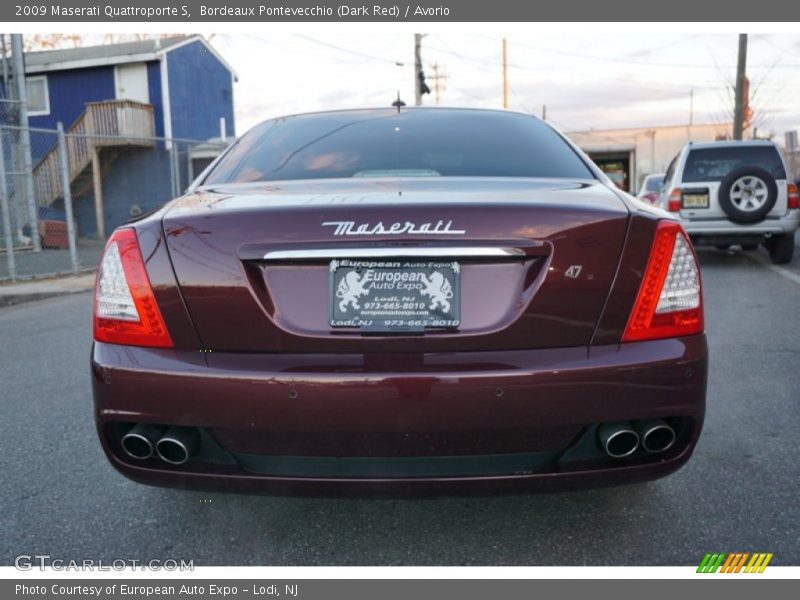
(670, 302)
(125, 309)
(794, 196)
(674, 201)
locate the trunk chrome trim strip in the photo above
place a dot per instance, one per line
(400, 252)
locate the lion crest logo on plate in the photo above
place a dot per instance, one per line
(439, 290)
(351, 288)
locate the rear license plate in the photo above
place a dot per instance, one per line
(391, 296)
(693, 200)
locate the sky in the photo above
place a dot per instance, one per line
(586, 81)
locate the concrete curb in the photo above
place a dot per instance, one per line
(12, 294)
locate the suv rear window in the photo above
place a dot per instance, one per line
(380, 143)
(714, 164)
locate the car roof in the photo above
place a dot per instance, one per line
(729, 144)
(405, 109)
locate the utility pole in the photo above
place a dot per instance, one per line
(544, 112)
(747, 112)
(419, 76)
(505, 73)
(437, 78)
(738, 110)
(691, 108)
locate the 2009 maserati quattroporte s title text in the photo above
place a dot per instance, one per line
(424, 300)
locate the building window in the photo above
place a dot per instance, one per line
(38, 96)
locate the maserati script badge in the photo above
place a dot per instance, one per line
(351, 228)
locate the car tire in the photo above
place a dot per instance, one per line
(730, 188)
(749, 247)
(781, 248)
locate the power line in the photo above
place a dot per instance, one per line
(397, 63)
(777, 46)
(476, 64)
(627, 60)
(667, 90)
(518, 97)
(281, 45)
(681, 40)
(489, 66)
(472, 62)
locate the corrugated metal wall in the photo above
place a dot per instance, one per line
(201, 91)
(71, 90)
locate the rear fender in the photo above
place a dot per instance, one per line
(622, 295)
(165, 287)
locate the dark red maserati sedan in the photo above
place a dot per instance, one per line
(402, 300)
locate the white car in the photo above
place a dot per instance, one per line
(735, 192)
(651, 188)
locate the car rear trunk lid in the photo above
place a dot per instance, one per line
(534, 258)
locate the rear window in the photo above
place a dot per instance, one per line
(653, 184)
(714, 164)
(421, 143)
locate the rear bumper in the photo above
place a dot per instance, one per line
(459, 423)
(718, 228)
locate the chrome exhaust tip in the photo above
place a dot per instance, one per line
(140, 441)
(178, 445)
(618, 439)
(656, 434)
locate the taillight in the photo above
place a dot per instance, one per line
(794, 196)
(125, 309)
(674, 201)
(669, 303)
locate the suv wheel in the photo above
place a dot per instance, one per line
(781, 248)
(747, 194)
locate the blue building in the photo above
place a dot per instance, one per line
(116, 97)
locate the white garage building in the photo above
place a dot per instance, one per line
(644, 150)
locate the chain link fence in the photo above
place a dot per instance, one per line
(62, 192)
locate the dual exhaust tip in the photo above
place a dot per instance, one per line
(619, 440)
(174, 445)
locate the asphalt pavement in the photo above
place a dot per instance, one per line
(740, 492)
(51, 261)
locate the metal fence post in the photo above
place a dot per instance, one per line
(178, 186)
(63, 159)
(25, 137)
(9, 241)
(173, 167)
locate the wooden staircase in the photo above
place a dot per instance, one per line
(103, 126)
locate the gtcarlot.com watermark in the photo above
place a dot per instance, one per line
(29, 562)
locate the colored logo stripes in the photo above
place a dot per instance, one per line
(734, 562)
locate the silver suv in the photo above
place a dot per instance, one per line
(734, 193)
